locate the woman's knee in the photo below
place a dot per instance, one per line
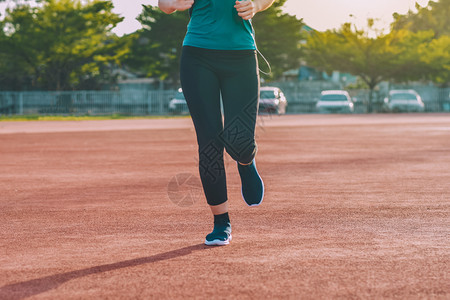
(243, 153)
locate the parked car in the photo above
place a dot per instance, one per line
(178, 104)
(404, 101)
(272, 100)
(335, 101)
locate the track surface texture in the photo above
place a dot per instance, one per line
(356, 207)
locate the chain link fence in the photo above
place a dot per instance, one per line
(301, 96)
(86, 103)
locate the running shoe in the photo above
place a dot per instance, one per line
(220, 236)
(252, 185)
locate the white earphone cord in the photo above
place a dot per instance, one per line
(267, 63)
(259, 52)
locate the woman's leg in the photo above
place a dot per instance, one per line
(240, 92)
(202, 91)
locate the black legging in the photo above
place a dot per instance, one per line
(205, 74)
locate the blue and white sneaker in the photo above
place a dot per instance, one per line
(220, 236)
(252, 185)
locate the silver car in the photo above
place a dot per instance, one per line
(272, 100)
(404, 101)
(334, 101)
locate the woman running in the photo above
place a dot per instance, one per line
(219, 61)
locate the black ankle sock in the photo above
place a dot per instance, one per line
(222, 219)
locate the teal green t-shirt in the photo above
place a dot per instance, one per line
(215, 24)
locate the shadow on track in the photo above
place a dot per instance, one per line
(37, 286)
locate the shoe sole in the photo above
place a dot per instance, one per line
(218, 242)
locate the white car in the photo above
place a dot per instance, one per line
(404, 101)
(335, 101)
(272, 100)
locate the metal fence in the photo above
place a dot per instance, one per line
(85, 103)
(301, 97)
(435, 99)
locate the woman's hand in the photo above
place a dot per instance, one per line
(182, 4)
(170, 6)
(246, 9)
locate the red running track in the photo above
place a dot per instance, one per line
(355, 207)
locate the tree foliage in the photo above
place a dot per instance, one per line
(436, 57)
(156, 49)
(433, 53)
(69, 44)
(372, 58)
(59, 44)
(434, 16)
(278, 37)
(352, 51)
(416, 48)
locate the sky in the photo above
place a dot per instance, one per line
(318, 14)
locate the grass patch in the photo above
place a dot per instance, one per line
(80, 118)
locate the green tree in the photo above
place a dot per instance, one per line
(422, 57)
(278, 37)
(156, 49)
(431, 54)
(434, 16)
(372, 58)
(436, 55)
(61, 44)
